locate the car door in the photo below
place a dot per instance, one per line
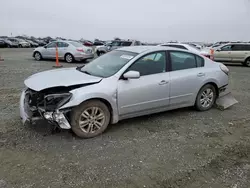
(223, 53)
(239, 52)
(150, 91)
(187, 74)
(62, 49)
(50, 50)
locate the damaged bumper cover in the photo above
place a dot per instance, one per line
(31, 114)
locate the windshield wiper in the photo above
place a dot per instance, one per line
(86, 72)
(79, 67)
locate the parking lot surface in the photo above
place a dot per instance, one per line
(180, 148)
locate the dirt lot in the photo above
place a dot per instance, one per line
(180, 148)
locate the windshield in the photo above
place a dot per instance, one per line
(108, 64)
(76, 44)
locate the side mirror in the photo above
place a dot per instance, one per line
(45, 46)
(218, 50)
(131, 75)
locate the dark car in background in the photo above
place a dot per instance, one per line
(39, 42)
(3, 44)
(87, 43)
(10, 44)
(32, 44)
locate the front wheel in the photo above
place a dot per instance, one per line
(37, 56)
(20, 46)
(90, 119)
(205, 98)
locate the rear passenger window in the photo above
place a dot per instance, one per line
(247, 47)
(199, 61)
(182, 60)
(238, 47)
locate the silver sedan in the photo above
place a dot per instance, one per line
(67, 50)
(124, 83)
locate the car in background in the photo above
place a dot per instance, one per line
(98, 43)
(69, 51)
(87, 43)
(39, 42)
(198, 46)
(3, 44)
(32, 44)
(115, 44)
(124, 83)
(21, 42)
(9, 44)
(233, 52)
(187, 47)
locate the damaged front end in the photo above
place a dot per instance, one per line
(45, 104)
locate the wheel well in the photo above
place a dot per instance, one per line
(215, 86)
(246, 59)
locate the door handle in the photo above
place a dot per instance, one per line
(163, 82)
(201, 74)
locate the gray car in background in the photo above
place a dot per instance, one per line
(124, 83)
(67, 50)
(112, 45)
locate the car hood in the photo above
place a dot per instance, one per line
(58, 78)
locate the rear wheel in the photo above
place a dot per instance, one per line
(247, 62)
(205, 98)
(37, 56)
(90, 119)
(69, 58)
(20, 46)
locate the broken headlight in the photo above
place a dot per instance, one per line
(55, 101)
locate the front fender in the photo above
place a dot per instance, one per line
(78, 98)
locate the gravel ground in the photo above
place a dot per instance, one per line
(180, 148)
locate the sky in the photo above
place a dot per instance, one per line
(145, 20)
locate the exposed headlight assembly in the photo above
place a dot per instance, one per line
(55, 101)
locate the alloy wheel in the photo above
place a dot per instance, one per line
(91, 119)
(69, 58)
(207, 98)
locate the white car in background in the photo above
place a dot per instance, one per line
(67, 50)
(187, 47)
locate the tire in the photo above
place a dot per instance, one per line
(205, 98)
(69, 58)
(83, 113)
(247, 62)
(37, 56)
(20, 46)
(99, 53)
(8, 46)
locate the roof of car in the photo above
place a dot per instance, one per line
(140, 49)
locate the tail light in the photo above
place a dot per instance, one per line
(80, 50)
(224, 69)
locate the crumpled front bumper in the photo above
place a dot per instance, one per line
(27, 115)
(23, 114)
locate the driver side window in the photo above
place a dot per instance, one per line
(226, 48)
(150, 64)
